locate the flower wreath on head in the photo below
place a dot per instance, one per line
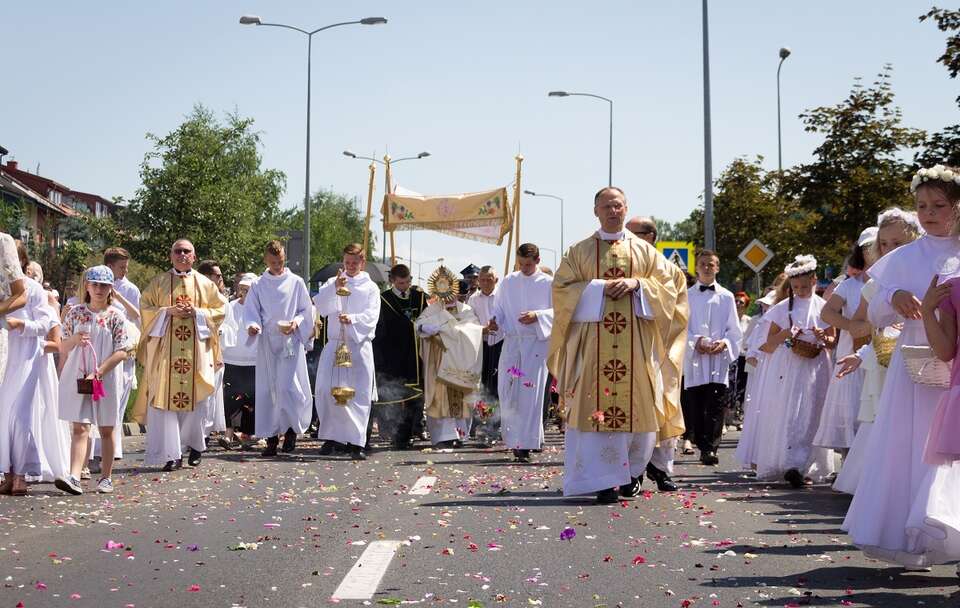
(802, 264)
(907, 217)
(940, 172)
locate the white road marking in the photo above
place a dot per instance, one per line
(423, 486)
(365, 576)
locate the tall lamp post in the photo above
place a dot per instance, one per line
(609, 101)
(558, 198)
(784, 53)
(709, 236)
(386, 162)
(255, 20)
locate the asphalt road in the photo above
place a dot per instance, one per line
(243, 531)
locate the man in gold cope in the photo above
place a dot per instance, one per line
(181, 311)
(617, 353)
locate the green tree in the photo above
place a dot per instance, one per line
(944, 146)
(747, 206)
(857, 170)
(203, 181)
(11, 216)
(335, 221)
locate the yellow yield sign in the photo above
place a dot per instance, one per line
(680, 253)
(756, 255)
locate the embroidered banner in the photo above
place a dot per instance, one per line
(480, 216)
(614, 392)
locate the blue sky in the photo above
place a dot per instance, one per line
(465, 80)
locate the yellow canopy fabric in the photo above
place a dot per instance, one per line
(479, 216)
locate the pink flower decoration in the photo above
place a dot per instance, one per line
(194, 588)
(516, 372)
(567, 533)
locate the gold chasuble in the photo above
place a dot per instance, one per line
(621, 374)
(179, 364)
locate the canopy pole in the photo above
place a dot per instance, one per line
(366, 223)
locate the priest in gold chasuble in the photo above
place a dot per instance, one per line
(452, 339)
(616, 352)
(181, 311)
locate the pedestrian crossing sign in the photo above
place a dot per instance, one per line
(680, 253)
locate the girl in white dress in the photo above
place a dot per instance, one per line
(838, 423)
(877, 519)
(794, 385)
(756, 367)
(895, 228)
(28, 393)
(95, 343)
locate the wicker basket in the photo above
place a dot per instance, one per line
(883, 347)
(807, 350)
(925, 368)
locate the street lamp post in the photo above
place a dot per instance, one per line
(554, 252)
(255, 20)
(784, 53)
(709, 234)
(420, 266)
(532, 193)
(387, 162)
(609, 101)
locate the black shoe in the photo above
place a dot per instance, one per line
(289, 441)
(194, 458)
(709, 458)
(271, 450)
(664, 483)
(632, 489)
(522, 455)
(169, 466)
(327, 448)
(402, 444)
(357, 453)
(794, 478)
(607, 497)
(456, 444)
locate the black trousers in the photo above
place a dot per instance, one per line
(703, 412)
(239, 397)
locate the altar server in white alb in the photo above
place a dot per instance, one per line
(279, 317)
(351, 303)
(523, 313)
(713, 343)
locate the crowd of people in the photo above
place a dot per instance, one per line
(851, 385)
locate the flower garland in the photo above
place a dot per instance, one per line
(936, 172)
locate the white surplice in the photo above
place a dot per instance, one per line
(347, 423)
(522, 373)
(482, 306)
(713, 317)
(894, 513)
(283, 384)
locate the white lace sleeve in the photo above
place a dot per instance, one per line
(9, 265)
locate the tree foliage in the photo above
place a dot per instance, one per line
(857, 170)
(203, 181)
(944, 146)
(747, 206)
(335, 221)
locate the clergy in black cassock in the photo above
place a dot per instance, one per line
(396, 357)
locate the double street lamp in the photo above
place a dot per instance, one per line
(255, 20)
(555, 197)
(386, 162)
(609, 101)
